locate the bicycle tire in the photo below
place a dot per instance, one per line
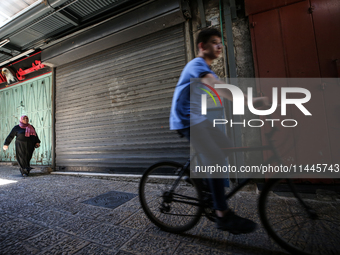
(288, 223)
(180, 216)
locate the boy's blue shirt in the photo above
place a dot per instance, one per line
(181, 116)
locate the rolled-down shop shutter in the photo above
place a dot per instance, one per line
(112, 108)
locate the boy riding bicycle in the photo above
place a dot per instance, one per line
(186, 120)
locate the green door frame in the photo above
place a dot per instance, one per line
(34, 99)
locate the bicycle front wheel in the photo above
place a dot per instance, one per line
(170, 202)
(303, 219)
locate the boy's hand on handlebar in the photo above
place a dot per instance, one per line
(5, 147)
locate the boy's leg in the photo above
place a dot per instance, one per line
(209, 141)
(216, 185)
(218, 193)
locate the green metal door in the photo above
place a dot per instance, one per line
(31, 98)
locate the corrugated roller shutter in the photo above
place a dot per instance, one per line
(112, 109)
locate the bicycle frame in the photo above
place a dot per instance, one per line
(274, 158)
(204, 202)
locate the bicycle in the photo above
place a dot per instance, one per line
(174, 202)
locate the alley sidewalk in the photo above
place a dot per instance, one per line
(51, 214)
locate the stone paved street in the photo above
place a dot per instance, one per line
(45, 214)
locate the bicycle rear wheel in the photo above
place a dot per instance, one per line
(176, 211)
(308, 227)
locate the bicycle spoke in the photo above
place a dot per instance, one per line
(307, 226)
(336, 236)
(337, 221)
(310, 236)
(282, 220)
(299, 230)
(330, 231)
(172, 210)
(289, 228)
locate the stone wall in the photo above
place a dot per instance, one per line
(244, 62)
(251, 136)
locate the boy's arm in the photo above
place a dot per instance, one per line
(211, 80)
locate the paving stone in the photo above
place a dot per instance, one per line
(189, 236)
(130, 187)
(78, 225)
(29, 231)
(109, 235)
(220, 252)
(249, 247)
(50, 218)
(149, 244)
(46, 238)
(6, 241)
(239, 250)
(121, 213)
(29, 210)
(137, 221)
(245, 201)
(70, 207)
(8, 227)
(13, 206)
(68, 245)
(21, 248)
(44, 215)
(125, 253)
(116, 216)
(186, 248)
(94, 249)
(47, 200)
(208, 235)
(93, 212)
(259, 237)
(244, 251)
(5, 217)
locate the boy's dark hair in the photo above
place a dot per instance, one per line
(205, 35)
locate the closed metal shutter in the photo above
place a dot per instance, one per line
(112, 108)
